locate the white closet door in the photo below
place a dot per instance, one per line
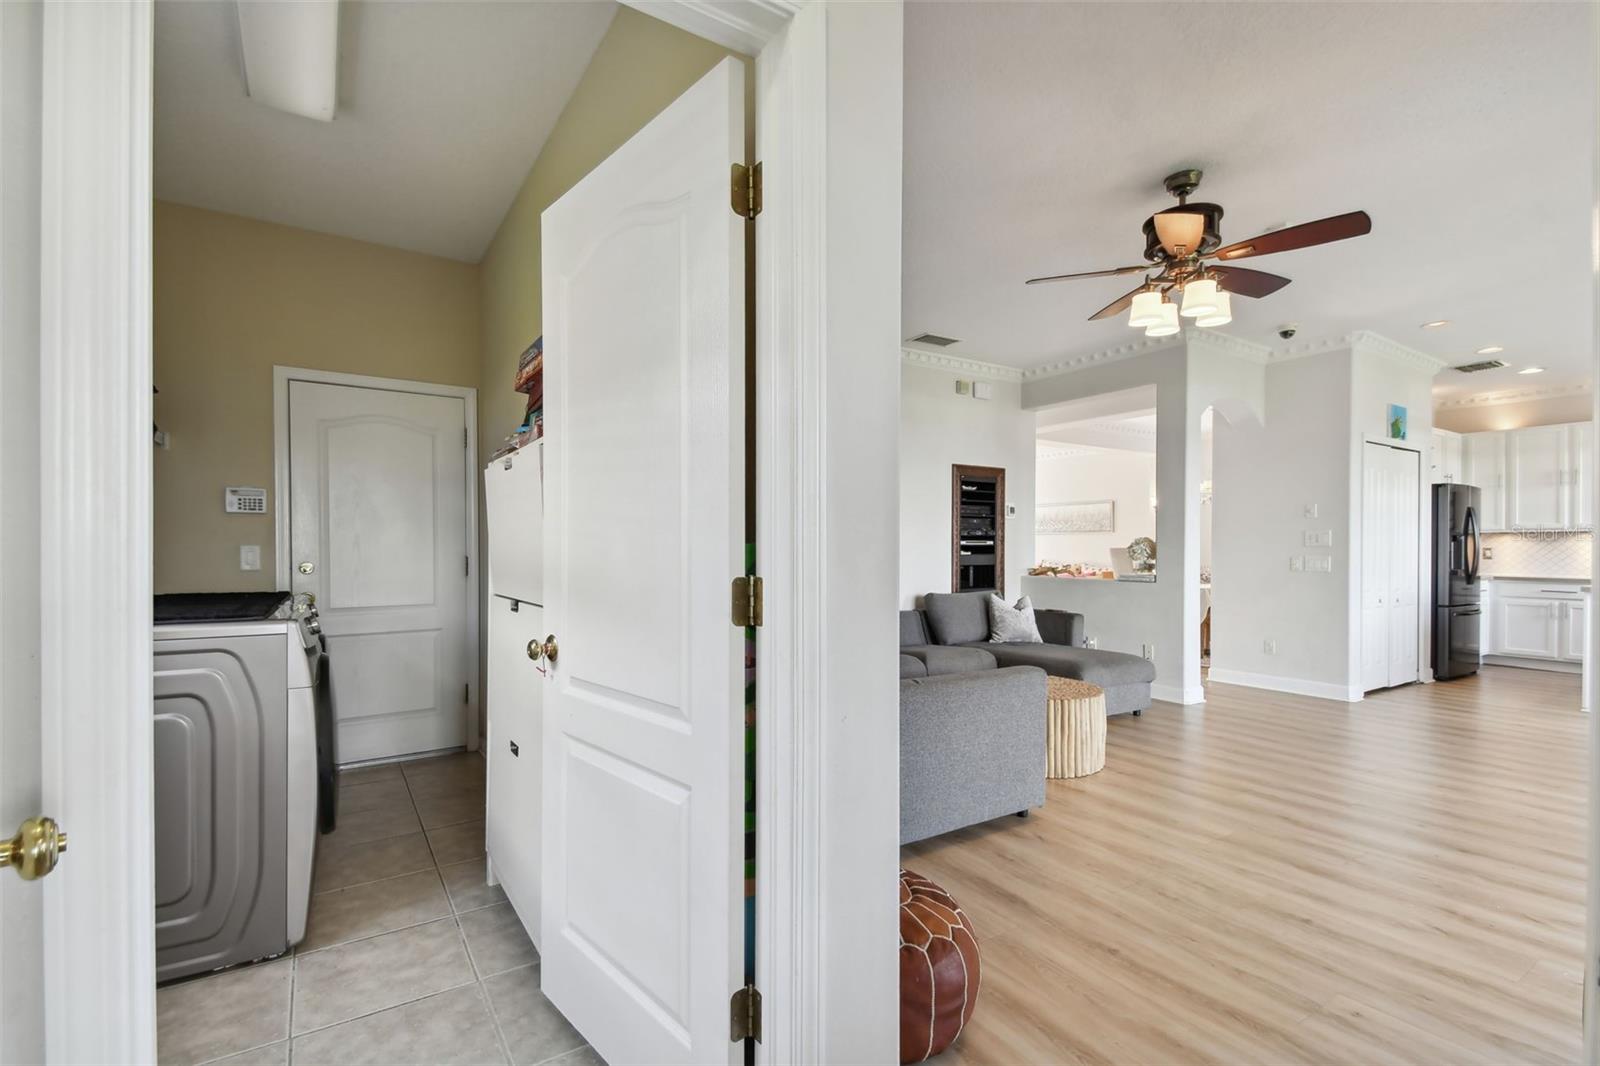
(1404, 525)
(1376, 504)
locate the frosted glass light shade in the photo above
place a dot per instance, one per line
(1199, 298)
(1168, 324)
(1221, 316)
(1146, 310)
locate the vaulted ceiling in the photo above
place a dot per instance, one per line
(1037, 135)
(442, 109)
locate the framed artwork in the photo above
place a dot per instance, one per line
(1091, 516)
(1396, 422)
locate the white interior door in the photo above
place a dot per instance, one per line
(379, 490)
(644, 525)
(1404, 560)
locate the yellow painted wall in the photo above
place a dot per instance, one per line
(641, 66)
(234, 297)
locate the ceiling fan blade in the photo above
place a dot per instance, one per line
(1114, 272)
(1242, 281)
(1117, 306)
(1322, 231)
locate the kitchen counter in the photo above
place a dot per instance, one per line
(1536, 577)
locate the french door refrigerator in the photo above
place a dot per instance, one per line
(1457, 610)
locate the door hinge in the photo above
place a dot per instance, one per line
(746, 190)
(748, 602)
(744, 1011)
(466, 565)
(466, 693)
(463, 436)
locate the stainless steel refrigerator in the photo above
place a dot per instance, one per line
(1457, 607)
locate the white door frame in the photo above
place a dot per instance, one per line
(281, 376)
(95, 524)
(827, 529)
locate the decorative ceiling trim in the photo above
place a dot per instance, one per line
(1108, 355)
(1368, 341)
(956, 364)
(1239, 348)
(1056, 450)
(744, 26)
(1495, 399)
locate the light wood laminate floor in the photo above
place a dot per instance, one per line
(1276, 879)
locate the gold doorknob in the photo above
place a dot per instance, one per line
(550, 648)
(535, 649)
(34, 850)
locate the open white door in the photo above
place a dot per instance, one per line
(644, 389)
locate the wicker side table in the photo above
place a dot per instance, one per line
(1075, 728)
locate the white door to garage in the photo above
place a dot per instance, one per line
(644, 385)
(380, 517)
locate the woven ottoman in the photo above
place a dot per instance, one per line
(939, 969)
(1075, 728)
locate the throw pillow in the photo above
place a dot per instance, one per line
(1012, 625)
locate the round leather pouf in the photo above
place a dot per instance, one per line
(939, 968)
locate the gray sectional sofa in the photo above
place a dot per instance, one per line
(972, 713)
(954, 625)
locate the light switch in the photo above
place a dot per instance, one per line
(1311, 510)
(1319, 564)
(1319, 538)
(1297, 562)
(249, 557)
(982, 390)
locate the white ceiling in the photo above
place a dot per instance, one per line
(443, 107)
(1037, 136)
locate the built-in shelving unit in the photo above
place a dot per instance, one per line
(977, 529)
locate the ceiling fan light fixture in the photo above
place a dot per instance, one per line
(1146, 309)
(1223, 313)
(1168, 324)
(1199, 298)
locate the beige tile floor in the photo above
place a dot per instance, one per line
(408, 957)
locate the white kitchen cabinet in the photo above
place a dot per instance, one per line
(1580, 513)
(1525, 626)
(1574, 631)
(1537, 477)
(1484, 465)
(1445, 457)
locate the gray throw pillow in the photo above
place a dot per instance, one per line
(1012, 625)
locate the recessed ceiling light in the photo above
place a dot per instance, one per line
(1491, 349)
(1436, 323)
(1531, 370)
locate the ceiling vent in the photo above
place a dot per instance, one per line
(1479, 367)
(933, 339)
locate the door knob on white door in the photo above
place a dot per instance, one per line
(33, 852)
(308, 567)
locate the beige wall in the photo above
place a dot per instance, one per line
(1547, 411)
(234, 297)
(641, 66)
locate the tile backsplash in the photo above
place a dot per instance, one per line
(1538, 554)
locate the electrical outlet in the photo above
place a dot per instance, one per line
(1488, 553)
(249, 557)
(1297, 563)
(1091, 642)
(1319, 564)
(1269, 646)
(1311, 510)
(1150, 652)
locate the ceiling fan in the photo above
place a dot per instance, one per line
(1183, 246)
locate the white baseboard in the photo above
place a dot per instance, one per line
(1295, 686)
(1177, 694)
(1553, 666)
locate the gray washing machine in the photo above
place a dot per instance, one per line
(239, 691)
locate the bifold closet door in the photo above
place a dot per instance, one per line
(1405, 546)
(1376, 504)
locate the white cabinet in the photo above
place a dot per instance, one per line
(1445, 457)
(1574, 631)
(1391, 547)
(1536, 477)
(513, 498)
(1484, 465)
(1525, 626)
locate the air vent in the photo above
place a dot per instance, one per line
(934, 339)
(1477, 368)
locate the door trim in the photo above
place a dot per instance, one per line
(281, 377)
(94, 575)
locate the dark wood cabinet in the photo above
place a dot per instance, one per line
(977, 529)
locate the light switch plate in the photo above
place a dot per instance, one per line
(1297, 562)
(1311, 510)
(1319, 538)
(982, 390)
(249, 557)
(1319, 564)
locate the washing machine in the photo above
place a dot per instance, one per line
(244, 776)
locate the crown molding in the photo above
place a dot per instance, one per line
(1057, 450)
(1107, 355)
(956, 364)
(1367, 341)
(1239, 348)
(1495, 399)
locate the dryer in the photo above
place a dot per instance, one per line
(242, 782)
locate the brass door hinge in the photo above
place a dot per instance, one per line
(746, 190)
(745, 1015)
(747, 601)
